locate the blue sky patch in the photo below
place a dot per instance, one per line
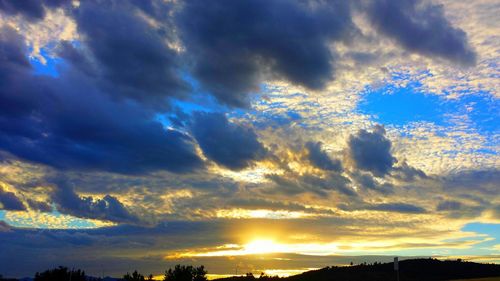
(400, 106)
(392, 105)
(48, 68)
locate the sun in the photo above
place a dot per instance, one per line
(263, 246)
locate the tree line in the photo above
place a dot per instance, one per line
(178, 273)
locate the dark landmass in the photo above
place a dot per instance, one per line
(409, 270)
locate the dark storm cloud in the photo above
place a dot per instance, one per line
(231, 145)
(32, 10)
(108, 208)
(421, 27)
(9, 201)
(233, 44)
(132, 56)
(67, 123)
(371, 151)
(320, 158)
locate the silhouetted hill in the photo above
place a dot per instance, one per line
(409, 270)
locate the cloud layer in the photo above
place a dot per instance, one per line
(158, 132)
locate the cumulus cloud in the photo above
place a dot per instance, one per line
(371, 151)
(421, 27)
(9, 201)
(236, 44)
(67, 123)
(232, 47)
(228, 144)
(321, 159)
(133, 60)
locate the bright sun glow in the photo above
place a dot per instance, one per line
(263, 247)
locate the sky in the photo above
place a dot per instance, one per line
(248, 136)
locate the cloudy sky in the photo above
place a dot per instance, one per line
(248, 135)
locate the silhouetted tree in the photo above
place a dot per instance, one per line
(136, 276)
(150, 277)
(185, 273)
(61, 274)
